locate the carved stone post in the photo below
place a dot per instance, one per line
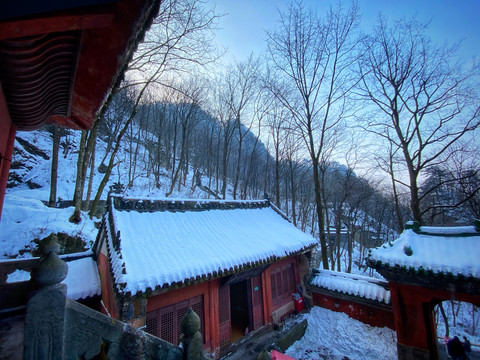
(191, 337)
(44, 319)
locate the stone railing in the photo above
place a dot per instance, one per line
(51, 326)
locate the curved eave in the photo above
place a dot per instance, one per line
(61, 66)
(426, 278)
(206, 277)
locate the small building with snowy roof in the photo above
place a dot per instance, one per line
(423, 267)
(236, 263)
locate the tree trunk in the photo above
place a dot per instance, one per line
(277, 175)
(111, 162)
(89, 159)
(320, 216)
(90, 180)
(77, 198)
(292, 184)
(52, 201)
(237, 171)
(445, 319)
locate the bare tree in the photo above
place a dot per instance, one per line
(278, 126)
(179, 39)
(187, 105)
(222, 112)
(426, 101)
(241, 87)
(313, 57)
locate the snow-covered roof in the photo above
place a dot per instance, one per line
(82, 278)
(179, 241)
(451, 251)
(357, 285)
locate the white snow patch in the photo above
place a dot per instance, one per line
(334, 335)
(82, 278)
(25, 219)
(358, 285)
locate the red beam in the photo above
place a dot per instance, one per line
(59, 22)
(103, 54)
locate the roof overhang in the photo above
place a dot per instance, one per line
(59, 61)
(427, 279)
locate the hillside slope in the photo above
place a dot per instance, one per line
(26, 219)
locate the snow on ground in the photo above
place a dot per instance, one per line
(25, 219)
(24, 215)
(336, 336)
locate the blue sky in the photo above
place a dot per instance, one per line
(243, 27)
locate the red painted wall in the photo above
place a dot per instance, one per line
(108, 296)
(272, 269)
(7, 138)
(370, 315)
(209, 290)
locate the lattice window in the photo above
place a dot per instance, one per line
(274, 287)
(286, 288)
(283, 283)
(279, 283)
(182, 309)
(224, 315)
(167, 327)
(291, 279)
(151, 325)
(165, 322)
(224, 304)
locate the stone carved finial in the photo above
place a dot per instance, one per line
(190, 323)
(45, 314)
(51, 269)
(191, 337)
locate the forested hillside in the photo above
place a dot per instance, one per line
(180, 150)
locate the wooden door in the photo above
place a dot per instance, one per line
(224, 317)
(257, 301)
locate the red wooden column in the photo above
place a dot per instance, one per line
(7, 138)
(413, 322)
(267, 297)
(212, 317)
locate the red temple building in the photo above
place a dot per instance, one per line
(236, 263)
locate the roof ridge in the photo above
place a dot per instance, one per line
(174, 205)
